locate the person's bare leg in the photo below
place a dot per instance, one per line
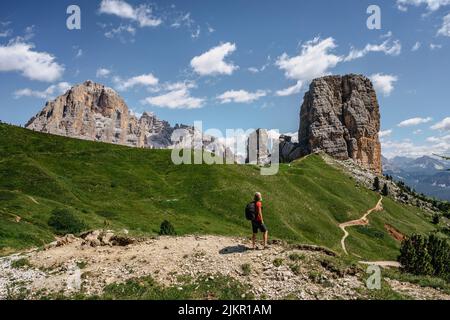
(265, 237)
(254, 241)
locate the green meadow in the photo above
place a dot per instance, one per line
(120, 188)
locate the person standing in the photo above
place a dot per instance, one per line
(258, 222)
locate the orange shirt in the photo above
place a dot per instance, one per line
(259, 217)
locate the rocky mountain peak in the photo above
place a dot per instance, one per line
(93, 111)
(340, 115)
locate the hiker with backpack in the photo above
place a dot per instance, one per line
(253, 213)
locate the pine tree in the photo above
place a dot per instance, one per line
(436, 219)
(423, 263)
(422, 255)
(439, 252)
(407, 255)
(385, 190)
(376, 184)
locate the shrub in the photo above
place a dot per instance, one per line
(246, 269)
(64, 221)
(106, 214)
(5, 196)
(167, 229)
(295, 268)
(296, 257)
(277, 262)
(315, 276)
(21, 263)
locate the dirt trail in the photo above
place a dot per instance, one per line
(363, 222)
(360, 222)
(33, 199)
(393, 264)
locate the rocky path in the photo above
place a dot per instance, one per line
(167, 258)
(99, 259)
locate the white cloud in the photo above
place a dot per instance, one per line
(210, 29)
(445, 28)
(119, 31)
(291, 90)
(414, 122)
(241, 96)
(416, 46)
(21, 57)
(383, 83)
(435, 46)
(182, 19)
(141, 14)
(48, 93)
(178, 97)
(28, 34)
(418, 131)
(386, 35)
(442, 125)
(407, 148)
(388, 48)
(314, 60)
(142, 80)
(385, 133)
(432, 5)
(79, 53)
(102, 73)
(212, 62)
(5, 33)
(442, 139)
(262, 68)
(196, 33)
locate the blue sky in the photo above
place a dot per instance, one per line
(234, 64)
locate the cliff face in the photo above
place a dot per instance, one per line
(340, 115)
(92, 111)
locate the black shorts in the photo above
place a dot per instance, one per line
(258, 226)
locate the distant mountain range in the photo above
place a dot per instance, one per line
(425, 174)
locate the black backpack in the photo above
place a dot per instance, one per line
(250, 211)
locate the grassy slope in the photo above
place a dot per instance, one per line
(136, 189)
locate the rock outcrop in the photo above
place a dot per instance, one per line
(92, 111)
(258, 151)
(289, 150)
(340, 116)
